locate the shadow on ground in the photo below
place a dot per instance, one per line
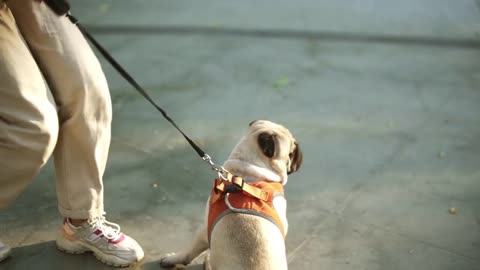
(34, 257)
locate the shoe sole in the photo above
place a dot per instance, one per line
(78, 247)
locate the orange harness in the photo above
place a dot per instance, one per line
(253, 198)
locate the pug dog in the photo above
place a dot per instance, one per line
(252, 238)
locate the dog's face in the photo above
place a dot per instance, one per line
(271, 146)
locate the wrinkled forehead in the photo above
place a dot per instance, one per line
(270, 127)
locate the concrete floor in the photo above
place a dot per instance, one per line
(390, 129)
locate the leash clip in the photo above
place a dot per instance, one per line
(221, 171)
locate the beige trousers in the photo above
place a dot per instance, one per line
(54, 98)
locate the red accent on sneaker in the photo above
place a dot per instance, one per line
(120, 239)
(98, 232)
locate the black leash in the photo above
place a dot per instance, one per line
(132, 81)
(62, 8)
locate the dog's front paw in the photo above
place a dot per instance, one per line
(173, 259)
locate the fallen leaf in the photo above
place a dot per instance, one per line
(104, 8)
(282, 82)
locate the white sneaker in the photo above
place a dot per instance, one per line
(101, 237)
(4, 251)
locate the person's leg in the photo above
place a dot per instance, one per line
(80, 89)
(28, 116)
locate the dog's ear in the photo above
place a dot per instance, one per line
(266, 142)
(296, 158)
(251, 123)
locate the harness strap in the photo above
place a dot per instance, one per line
(236, 184)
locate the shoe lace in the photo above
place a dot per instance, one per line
(110, 230)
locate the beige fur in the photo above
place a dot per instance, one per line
(240, 241)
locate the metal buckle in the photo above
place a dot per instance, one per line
(233, 187)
